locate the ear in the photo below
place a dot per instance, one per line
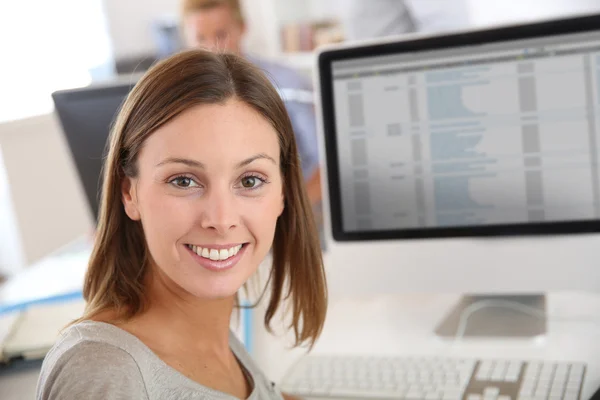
(129, 198)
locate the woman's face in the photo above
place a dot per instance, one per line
(208, 194)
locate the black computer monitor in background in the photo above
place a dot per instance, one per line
(87, 115)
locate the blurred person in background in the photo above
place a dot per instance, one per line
(367, 19)
(219, 25)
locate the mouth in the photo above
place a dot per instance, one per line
(217, 258)
(215, 254)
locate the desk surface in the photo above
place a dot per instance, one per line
(389, 325)
(377, 325)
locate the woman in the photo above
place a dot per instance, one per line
(202, 179)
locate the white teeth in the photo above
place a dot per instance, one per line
(215, 254)
(223, 254)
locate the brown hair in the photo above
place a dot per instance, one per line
(191, 6)
(119, 261)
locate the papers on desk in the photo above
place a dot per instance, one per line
(31, 331)
(38, 302)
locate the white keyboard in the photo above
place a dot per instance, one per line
(420, 378)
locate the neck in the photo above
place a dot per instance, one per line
(184, 321)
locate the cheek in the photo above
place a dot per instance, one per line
(262, 216)
(164, 218)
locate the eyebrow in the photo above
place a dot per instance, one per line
(259, 156)
(199, 165)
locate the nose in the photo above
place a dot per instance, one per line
(219, 211)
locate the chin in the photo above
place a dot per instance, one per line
(214, 290)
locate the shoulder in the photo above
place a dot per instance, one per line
(264, 387)
(83, 366)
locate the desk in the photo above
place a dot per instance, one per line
(403, 325)
(60, 273)
(376, 325)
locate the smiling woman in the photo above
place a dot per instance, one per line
(202, 179)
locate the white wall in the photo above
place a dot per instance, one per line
(48, 202)
(487, 12)
(12, 256)
(129, 24)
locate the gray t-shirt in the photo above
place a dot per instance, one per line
(95, 360)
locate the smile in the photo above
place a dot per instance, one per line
(215, 254)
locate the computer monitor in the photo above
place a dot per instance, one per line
(466, 162)
(86, 115)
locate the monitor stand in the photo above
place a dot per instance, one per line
(495, 316)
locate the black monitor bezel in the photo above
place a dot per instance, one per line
(62, 99)
(574, 25)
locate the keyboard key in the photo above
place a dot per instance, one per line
(526, 391)
(414, 395)
(364, 394)
(452, 396)
(547, 368)
(487, 364)
(572, 392)
(573, 384)
(433, 396)
(474, 397)
(483, 376)
(542, 391)
(504, 397)
(533, 369)
(577, 369)
(319, 392)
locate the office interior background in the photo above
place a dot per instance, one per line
(47, 46)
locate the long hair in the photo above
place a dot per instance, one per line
(119, 262)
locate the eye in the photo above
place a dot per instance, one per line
(252, 181)
(183, 182)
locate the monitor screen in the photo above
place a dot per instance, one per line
(86, 116)
(462, 137)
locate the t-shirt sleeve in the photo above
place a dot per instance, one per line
(94, 371)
